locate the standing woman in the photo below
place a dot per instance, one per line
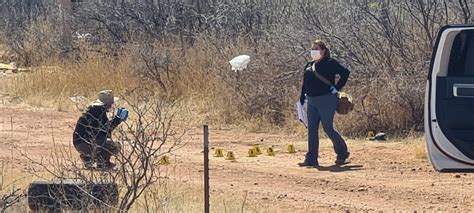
(322, 101)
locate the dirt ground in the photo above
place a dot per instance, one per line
(382, 176)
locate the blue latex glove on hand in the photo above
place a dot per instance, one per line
(122, 113)
(333, 90)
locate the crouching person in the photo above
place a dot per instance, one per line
(93, 132)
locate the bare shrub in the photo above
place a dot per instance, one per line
(10, 194)
(145, 138)
(150, 136)
(10, 199)
(30, 31)
(180, 46)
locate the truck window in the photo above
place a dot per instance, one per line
(461, 61)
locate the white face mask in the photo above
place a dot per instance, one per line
(316, 54)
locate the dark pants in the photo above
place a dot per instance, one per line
(321, 109)
(95, 152)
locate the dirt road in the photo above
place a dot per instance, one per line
(381, 176)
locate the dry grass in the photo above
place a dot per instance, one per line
(206, 97)
(178, 196)
(418, 144)
(420, 149)
(12, 180)
(210, 92)
(50, 86)
(170, 195)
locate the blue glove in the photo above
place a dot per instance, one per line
(122, 113)
(333, 90)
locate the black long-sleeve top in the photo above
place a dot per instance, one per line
(328, 68)
(93, 127)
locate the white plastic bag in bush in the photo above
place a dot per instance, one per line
(240, 62)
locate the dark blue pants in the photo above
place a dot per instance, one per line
(321, 109)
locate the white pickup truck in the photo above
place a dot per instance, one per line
(449, 100)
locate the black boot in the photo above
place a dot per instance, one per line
(306, 164)
(342, 160)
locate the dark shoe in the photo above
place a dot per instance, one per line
(342, 161)
(305, 164)
(106, 165)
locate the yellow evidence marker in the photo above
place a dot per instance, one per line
(257, 150)
(370, 134)
(165, 160)
(252, 152)
(230, 156)
(291, 149)
(270, 151)
(219, 153)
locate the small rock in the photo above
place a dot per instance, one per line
(231, 184)
(413, 170)
(361, 189)
(455, 207)
(264, 198)
(457, 176)
(255, 184)
(432, 184)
